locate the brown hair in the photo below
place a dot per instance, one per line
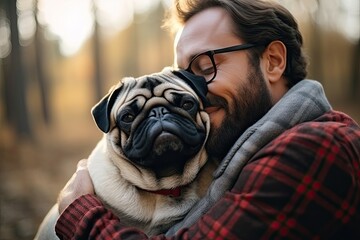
(255, 21)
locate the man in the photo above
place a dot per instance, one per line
(290, 164)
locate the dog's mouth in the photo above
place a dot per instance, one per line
(165, 143)
(168, 155)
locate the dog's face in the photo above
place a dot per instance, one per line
(155, 129)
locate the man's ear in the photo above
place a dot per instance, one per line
(274, 58)
(101, 111)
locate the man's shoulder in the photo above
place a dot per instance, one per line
(336, 117)
(332, 122)
(332, 129)
(333, 135)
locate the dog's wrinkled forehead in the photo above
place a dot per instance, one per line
(157, 85)
(190, 82)
(163, 86)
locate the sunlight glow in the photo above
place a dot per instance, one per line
(114, 15)
(71, 21)
(142, 6)
(26, 21)
(5, 43)
(27, 27)
(350, 22)
(341, 15)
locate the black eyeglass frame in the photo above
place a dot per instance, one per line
(211, 53)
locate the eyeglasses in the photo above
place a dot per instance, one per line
(203, 64)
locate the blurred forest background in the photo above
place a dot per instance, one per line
(58, 58)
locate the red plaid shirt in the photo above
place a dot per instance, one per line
(304, 184)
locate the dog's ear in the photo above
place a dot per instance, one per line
(101, 111)
(197, 83)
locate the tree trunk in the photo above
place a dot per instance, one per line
(41, 76)
(15, 82)
(97, 80)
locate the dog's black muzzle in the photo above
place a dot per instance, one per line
(164, 142)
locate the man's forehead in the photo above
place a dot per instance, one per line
(206, 30)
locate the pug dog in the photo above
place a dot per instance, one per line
(151, 165)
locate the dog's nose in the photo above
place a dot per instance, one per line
(158, 112)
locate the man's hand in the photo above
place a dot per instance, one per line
(79, 184)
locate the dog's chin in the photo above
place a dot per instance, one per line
(169, 164)
(168, 156)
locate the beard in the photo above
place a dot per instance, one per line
(252, 102)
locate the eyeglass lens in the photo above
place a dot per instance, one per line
(203, 65)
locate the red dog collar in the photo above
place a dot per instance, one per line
(174, 192)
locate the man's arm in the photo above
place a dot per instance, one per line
(83, 216)
(87, 218)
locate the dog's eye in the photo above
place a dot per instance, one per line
(188, 105)
(128, 118)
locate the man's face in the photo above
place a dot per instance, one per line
(238, 95)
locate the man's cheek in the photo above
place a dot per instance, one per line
(216, 118)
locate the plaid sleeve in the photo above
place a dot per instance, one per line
(87, 218)
(305, 184)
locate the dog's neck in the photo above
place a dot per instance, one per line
(174, 192)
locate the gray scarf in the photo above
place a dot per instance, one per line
(302, 103)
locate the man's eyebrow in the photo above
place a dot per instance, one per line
(191, 57)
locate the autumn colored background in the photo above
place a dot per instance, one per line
(58, 58)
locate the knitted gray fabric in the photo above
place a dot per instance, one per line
(302, 103)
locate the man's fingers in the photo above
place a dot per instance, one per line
(79, 184)
(82, 164)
